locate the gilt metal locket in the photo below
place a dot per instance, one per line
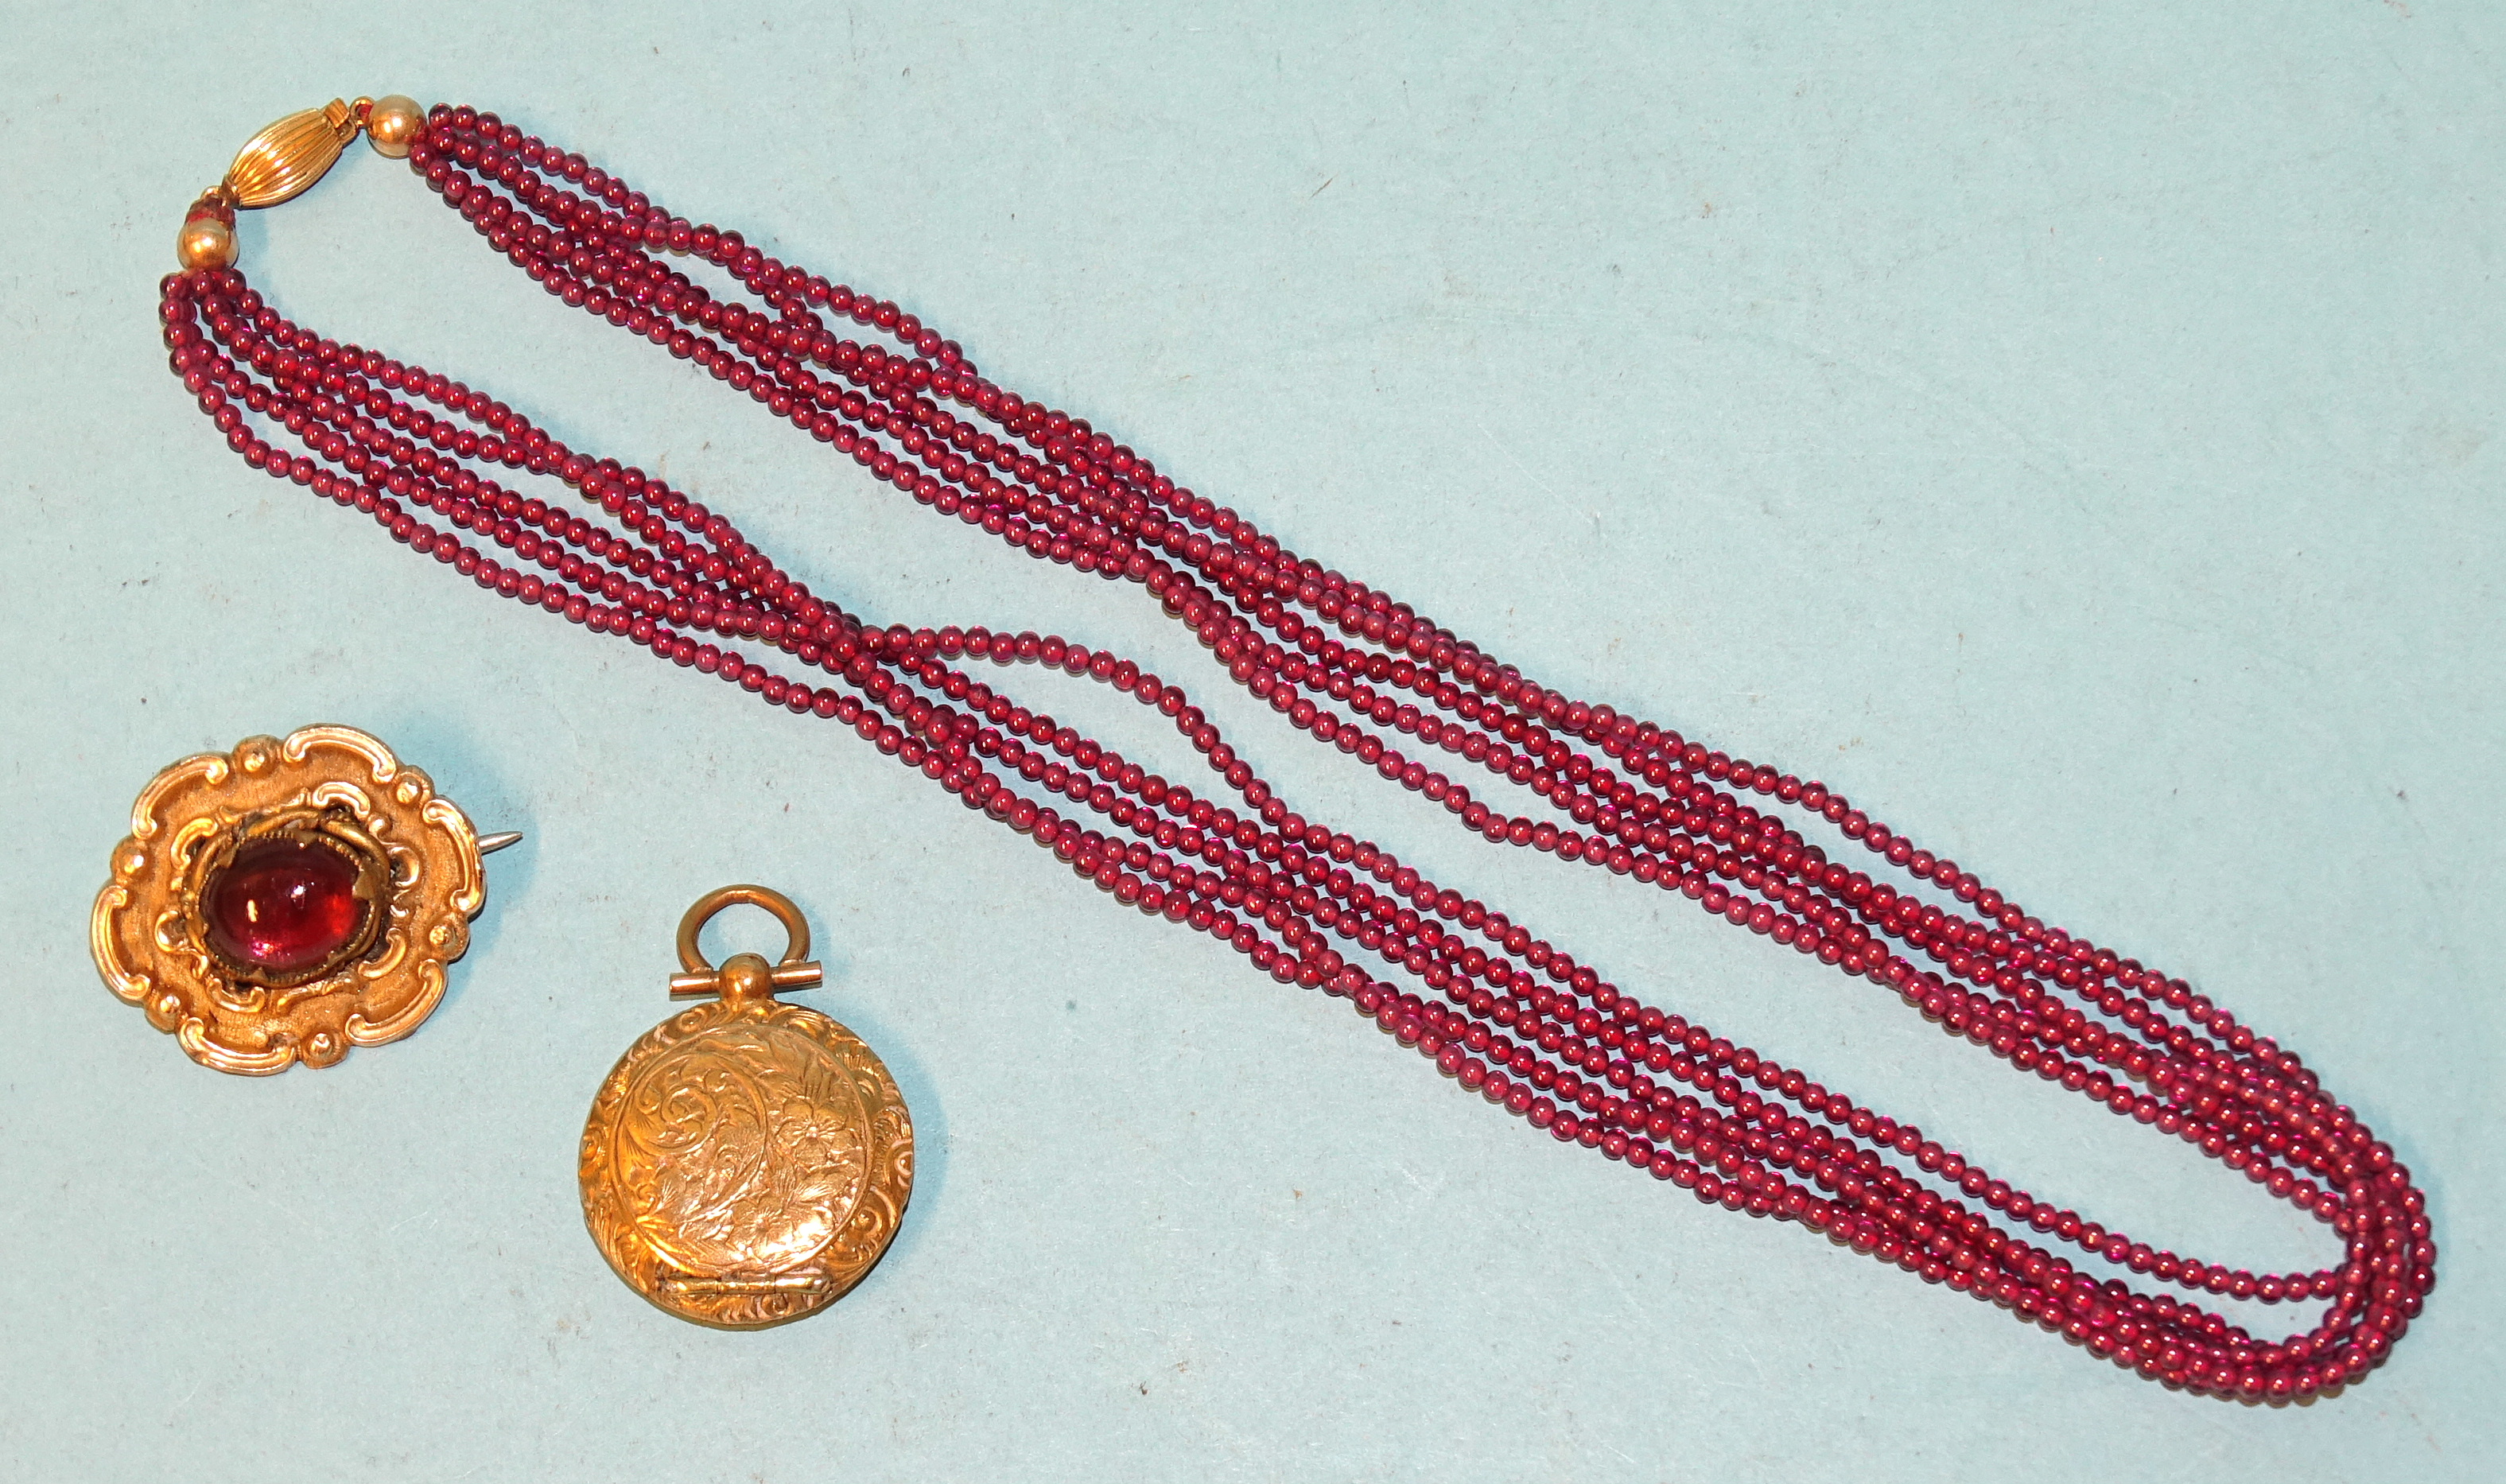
(748, 1160)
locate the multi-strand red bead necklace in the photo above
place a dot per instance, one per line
(1503, 1013)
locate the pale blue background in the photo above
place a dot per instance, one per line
(2073, 430)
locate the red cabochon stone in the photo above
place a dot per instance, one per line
(283, 905)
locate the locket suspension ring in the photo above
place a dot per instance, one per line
(700, 977)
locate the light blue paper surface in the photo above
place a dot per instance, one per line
(2070, 431)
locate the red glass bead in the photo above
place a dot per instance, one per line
(283, 905)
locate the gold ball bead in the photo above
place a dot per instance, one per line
(392, 123)
(205, 243)
(746, 976)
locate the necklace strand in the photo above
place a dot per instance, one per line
(1501, 1011)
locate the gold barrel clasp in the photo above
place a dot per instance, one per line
(283, 160)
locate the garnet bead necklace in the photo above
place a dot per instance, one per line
(1502, 1012)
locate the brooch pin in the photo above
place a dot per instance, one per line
(748, 1160)
(288, 900)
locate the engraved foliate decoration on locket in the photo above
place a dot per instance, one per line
(743, 1149)
(746, 1162)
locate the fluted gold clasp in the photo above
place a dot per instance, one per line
(283, 161)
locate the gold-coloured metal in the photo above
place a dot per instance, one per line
(794, 972)
(205, 242)
(392, 123)
(280, 162)
(284, 160)
(746, 1162)
(418, 872)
